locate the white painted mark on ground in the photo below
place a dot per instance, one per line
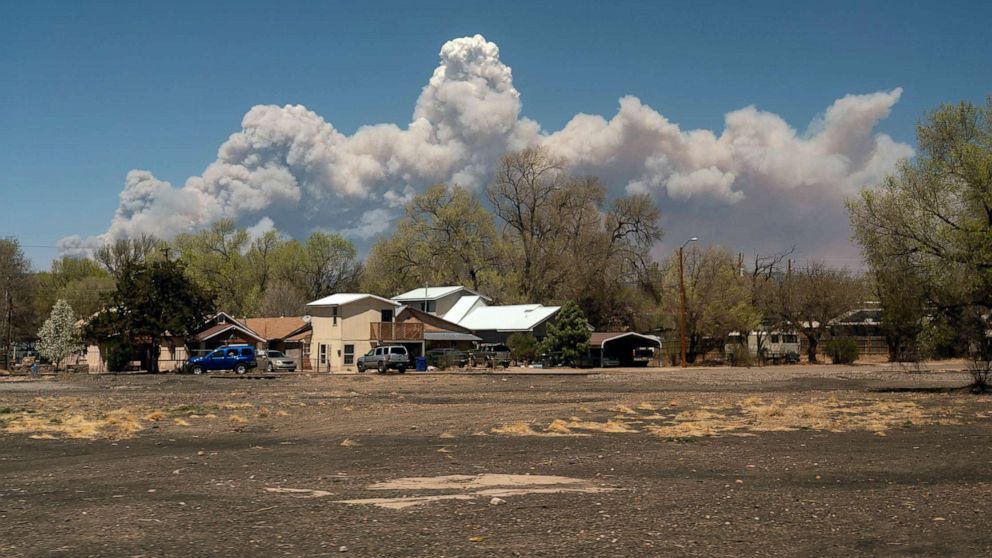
(472, 487)
(300, 492)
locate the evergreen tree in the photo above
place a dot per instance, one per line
(568, 334)
(152, 298)
(59, 335)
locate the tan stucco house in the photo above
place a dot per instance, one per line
(342, 326)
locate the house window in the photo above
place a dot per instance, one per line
(334, 316)
(774, 338)
(429, 306)
(387, 315)
(349, 354)
(322, 359)
(306, 348)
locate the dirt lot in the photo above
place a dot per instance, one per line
(830, 461)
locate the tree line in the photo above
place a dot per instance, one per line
(540, 234)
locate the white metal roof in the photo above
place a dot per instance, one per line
(463, 307)
(520, 317)
(434, 293)
(340, 299)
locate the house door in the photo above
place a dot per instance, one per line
(387, 315)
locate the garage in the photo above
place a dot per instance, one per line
(624, 349)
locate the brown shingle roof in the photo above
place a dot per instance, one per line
(275, 328)
(217, 329)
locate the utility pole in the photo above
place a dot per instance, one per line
(7, 320)
(682, 301)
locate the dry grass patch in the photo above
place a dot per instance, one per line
(154, 416)
(645, 406)
(114, 425)
(756, 414)
(611, 426)
(516, 429)
(238, 419)
(348, 442)
(234, 406)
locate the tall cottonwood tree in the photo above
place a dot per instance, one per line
(124, 252)
(446, 238)
(566, 242)
(215, 258)
(934, 217)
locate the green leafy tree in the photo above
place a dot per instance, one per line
(446, 238)
(151, 299)
(523, 346)
(81, 282)
(934, 216)
(568, 334)
(717, 298)
(215, 259)
(59, 336)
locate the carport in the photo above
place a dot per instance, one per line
(617, 348)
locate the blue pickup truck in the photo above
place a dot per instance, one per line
(239, 358)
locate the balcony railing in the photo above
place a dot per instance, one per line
(397, 331)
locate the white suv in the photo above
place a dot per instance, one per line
(384, 358)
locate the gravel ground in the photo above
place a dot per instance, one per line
(777, 461)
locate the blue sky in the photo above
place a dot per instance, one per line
(93, 90)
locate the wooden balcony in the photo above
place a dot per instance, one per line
(397, 331)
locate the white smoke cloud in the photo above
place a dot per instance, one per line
(287, 168)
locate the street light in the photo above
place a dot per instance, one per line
(682, 301)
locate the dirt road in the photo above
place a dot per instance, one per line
(780, 461)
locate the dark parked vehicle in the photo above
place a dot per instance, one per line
(641, 356)
(446, 358)
(389, 357)
(276, 360)
(492, 355)
(239, 358)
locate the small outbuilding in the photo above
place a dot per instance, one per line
(623, 348)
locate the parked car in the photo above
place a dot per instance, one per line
(239, 358)
(276, 360)
(641, 356)
(447, 358)
(388, 357)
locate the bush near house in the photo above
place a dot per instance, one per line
(523, 346)
(842, 351)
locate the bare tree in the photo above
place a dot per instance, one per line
(761, 280)
(808, 298)
(123, 252)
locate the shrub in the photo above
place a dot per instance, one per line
(842, 351)
(981, 375)
(118, 354)
(523, 346)
(740, 355)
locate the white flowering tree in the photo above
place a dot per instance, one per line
(59, 336)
